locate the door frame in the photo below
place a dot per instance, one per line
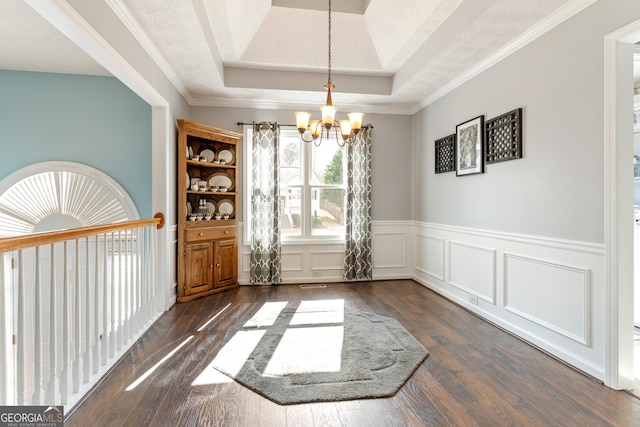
(618, 209)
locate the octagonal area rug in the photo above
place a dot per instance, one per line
(317, 351)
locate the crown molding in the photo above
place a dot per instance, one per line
(122, 12)
(562, 14)
(293, 106)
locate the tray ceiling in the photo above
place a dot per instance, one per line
(387, 55)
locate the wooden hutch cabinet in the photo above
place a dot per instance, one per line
(207, 198)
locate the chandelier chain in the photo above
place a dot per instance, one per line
(329, 50)
(348, 129)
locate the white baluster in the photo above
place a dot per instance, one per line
(158, 305)
(4, 344)
(120, 293)
(107, 304)
(127, 286)
(54, 381)
(140, 277)
(21, 357)
(38, 394)
(86, 348)
(135, 291)
(66, 377)
(76, 324)
(96, 310)
(113, 334)
(145, 273)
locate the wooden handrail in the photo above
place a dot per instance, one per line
(8, 244)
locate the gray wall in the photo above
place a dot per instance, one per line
(390, 152)
(86, 119)
(557, 188)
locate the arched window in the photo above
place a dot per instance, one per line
(60, 195)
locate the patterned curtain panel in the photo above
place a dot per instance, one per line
(265, 205)
(357, 260)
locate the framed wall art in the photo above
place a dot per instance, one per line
(503, 139)
(468, 147)
(445, 154)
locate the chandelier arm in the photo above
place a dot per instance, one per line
(304, 139)
(328, 111)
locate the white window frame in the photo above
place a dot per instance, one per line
(305, 238)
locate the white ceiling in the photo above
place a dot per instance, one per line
(387, 55)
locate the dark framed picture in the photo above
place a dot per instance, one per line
(445, 154)
(469, 143)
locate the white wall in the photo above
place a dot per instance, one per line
(531, 230)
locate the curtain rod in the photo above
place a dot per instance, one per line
(243, 123)
(370, 126)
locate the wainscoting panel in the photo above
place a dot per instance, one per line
(389, 250)
(548, 291)
(552, 295)
(430, 255)
(473, 269)
(291, 261)
(306, 262)
(327, 260)
(245, 264)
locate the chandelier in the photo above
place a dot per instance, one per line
(319, 128)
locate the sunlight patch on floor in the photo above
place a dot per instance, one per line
(307, 350)
(146, 375)
(208, 322)
(319, 312)
(234, 354)
(267, 314)
(316, 348)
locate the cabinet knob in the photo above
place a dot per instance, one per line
(211, 266)
(226, 231)
(217, 265)
(200, 234)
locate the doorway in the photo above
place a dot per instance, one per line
(636, 216)
(618, 226)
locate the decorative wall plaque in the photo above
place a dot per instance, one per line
(503, 140)
(445, 154)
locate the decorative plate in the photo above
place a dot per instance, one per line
(188, 181)
(189, 208)
(221, 178)
(211, 207)
(190, 152)
(208, 153)
(228, 155)
(226, 206)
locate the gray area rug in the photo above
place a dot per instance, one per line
(318, 352)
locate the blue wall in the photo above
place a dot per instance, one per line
(86, 119)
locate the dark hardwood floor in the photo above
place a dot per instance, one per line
(475, 375)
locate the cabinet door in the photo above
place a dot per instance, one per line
(226, 262)
(198, 268)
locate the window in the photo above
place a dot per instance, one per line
(312, 188)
